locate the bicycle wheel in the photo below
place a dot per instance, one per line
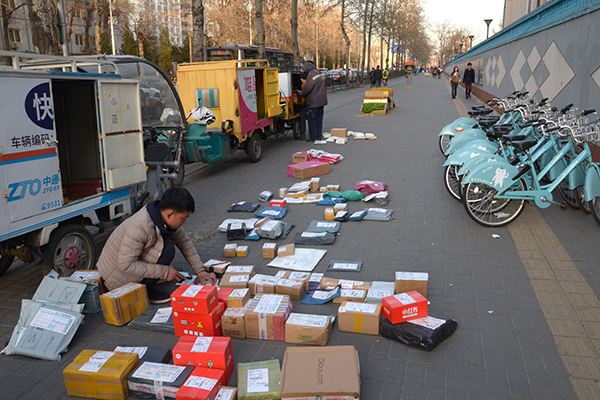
(595, 209)
(483, 207)
(579, 193)
(445, 142)
(567, 195)
(451, 181)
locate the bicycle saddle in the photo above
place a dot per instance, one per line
(524, 144)
(513, 138)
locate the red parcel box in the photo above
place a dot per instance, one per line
(207, 352)
(404, 307)
(224, 293)
(194, 298)
(203, 384)
(195, 324)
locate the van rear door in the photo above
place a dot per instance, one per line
(120, 127)
(271, 81)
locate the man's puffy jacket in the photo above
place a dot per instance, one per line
(315, 89)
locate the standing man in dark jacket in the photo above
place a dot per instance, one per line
(315, 92)
(468, 79)
(378, 75)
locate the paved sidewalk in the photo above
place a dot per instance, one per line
(503, 348)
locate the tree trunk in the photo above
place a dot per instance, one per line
(347, 39)
(198, 29)
(387, 53)
(294, 22)
(41, 26)
(260, 29)
(97, 28)
(369, 38)
(364, 49)
(5, 21)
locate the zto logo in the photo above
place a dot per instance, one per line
(34, 185)
(38, 106)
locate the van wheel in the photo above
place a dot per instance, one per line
(254, 147)
(5, 263)
(296, 128)
(71, 247)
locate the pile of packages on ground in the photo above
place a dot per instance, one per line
(244, 305)
(342, 135)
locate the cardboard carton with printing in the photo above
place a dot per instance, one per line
(216, 266)
(286, 250)
(293, 288)
(123, 304)
(266, 316)
(378, 291)
(355, 295)
(202, 384)
(300, 157)
(195, 324)
(404, 307)
(241, 270)
(308, 169)
(300, 276)
(223, 294)
(259, 380)
(268, 250)
(230, 250)
(227, 393)
(409, 281)
(207, 352)
(359, 318)
(157, 379)
(238, 298)
(308, 329)
(327, 373)
(234, 323)
(262, 284)
(339, 132)
(234, 281)
(194, 298)
(241, 251)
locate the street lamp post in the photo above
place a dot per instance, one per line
(488, 22)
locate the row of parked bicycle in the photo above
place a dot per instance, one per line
(495, 165)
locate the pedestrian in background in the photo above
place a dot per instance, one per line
(315, 92)
(454, 79)
(378, 76)
(468, 79)
(372, 77)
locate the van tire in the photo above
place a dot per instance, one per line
(5, 263)
(254, 147)
(71, 247)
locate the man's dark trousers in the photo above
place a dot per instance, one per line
(315, 123)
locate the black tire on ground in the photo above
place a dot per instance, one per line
(296, 128)
(5, 263)
(586, 206)
(71, 247)
(451, 181)
(254, 147)
(444, 142)
(595, 209)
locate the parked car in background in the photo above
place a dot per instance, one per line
(335, 75)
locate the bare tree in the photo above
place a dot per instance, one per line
(294, 23)
(7, 12)
(260, 28)
(198, 29)
(347, 40)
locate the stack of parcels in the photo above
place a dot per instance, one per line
(237, 276)
(266, 315)
(197, 311)
(48, 322)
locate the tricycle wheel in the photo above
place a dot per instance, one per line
(71, 247)
(296, 128)
(254, 147)
(5, 263)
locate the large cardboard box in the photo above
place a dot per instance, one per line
(409, 281)
(259, 380)
(359, 318)
(324, 373)
(293, 288)
(238, 298)
(286, 250)
(194, 324)
(339, 132)
(300, 157)
(300, 276)
(99, 374)
(308, 169)
(357, 296)
(227, 393)
(160, 380)
(404, 307)
(203, 384)
(194, 298)
(207, 352)
(308, 329)
(262, 284)
(123, 304)
(235, 281)
(266, 316)
(234, 323)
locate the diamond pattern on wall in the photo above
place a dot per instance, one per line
(596, 76)
(494, 71)
(560, 72)
(515, 71)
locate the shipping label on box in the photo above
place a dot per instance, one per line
(194, 298)
(293, 288)
(194, 324)
(123, 304)
(230, 250)
(300, 276)
(160, 380)
(203, 384)
(359, 318)
(378, 291)
(266, 316)
(308, 169)
(259, 380)
(286, 250)
(262, 284)
(234, 281)
(409, 281)
(357, 296)
(227, 393)
(404, 307)
(308, 329)
(314, 282)
(207, 352)
(238, 298)
(241, 270)
(233, 322)
(300, 157)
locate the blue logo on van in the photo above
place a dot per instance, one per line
(38, 105)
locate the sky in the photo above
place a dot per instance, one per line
(468, 13)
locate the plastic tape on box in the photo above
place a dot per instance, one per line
(243, 206)
(423, 333)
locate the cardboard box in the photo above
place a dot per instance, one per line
(268, 250)
(327, 373)
(105, 377)
(262, 221)
(151, 354)
(203, 384)
(207, 352)
(241, 251)
(409, 281)
(330, 283)
(300, 276)
(293, 288)
(262, 284)
(92, 274)
(297, 195)
(234, 323)
(216, 266)
(314, 282)
(359, 318)
(123, 304)
(234, 281)
(266, 316)
(314, 184)
(194, 324)
(308, 329)
(300, 157)
(308, 169)
(404, 307)
(355, 295)
(282, 192)
(227, 393)
(150, 376)
(286, 250)
(278, 203)
(194, 298)
(91, 298)
(241, 270)
(238, 298)
(223, 293)
(259, 380)
(378, 291)
(339, 132)
(230, 250)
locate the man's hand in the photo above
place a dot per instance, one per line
(202, 276)
(174, 276)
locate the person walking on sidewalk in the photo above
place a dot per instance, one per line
(142, 248)
(468, 79)
(378, 76)
(315, 92)
(454, 79)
